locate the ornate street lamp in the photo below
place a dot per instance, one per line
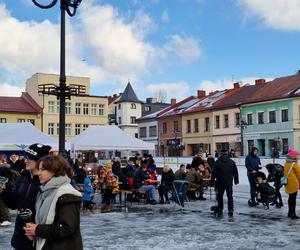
(62, 92)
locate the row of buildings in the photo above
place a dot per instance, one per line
(265, 115)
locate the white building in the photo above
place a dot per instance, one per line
(129, 108)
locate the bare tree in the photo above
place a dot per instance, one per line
(161, 95)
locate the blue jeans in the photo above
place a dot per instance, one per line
(150, 189)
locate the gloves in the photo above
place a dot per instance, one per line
(25, 214)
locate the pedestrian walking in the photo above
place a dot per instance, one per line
(225, 172)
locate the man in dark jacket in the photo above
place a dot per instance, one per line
(197, 160)
(138, 182)
(225, 172)
(252, 163)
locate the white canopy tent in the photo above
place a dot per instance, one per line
(18, 136)
(107, 138)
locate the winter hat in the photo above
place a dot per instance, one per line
(292, 154)
(37, 151)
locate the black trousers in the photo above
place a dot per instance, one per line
(251, 178)
(4, 212)
(220, 193)
(107, 196)
(278, 194)
(163, 192)
(292, 203)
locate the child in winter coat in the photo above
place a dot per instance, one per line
(88, 194)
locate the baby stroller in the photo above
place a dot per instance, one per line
(179, 192)
(265, 193)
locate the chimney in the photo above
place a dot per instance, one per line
(236, 85)
(173, 101)
(260, 81)
(201, 93)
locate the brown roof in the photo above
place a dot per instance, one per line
(282, 87)
(237, 96)
(23, 104)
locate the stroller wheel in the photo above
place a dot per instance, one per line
(197, 194)
(251, 203)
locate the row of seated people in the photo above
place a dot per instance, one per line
(139, 177)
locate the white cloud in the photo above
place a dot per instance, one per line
(178, 90)
(209, 85)
(9, 90)
(165, 16)
(187, 49)
(101, 43)
(275, 14)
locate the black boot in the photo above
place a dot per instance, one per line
(230, 213)
(294, 217)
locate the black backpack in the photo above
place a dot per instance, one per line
(10, 174)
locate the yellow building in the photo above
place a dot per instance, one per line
(81, 111)
(20, 109)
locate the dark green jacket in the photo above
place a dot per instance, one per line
(64, 232)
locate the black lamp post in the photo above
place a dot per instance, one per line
(62, 92)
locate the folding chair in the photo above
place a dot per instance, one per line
(179, 194)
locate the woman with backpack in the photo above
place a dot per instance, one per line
(22, 195)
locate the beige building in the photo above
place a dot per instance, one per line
(81, 111)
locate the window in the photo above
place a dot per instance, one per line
(77, 129)
(237, 119)
(272, 116)
(164, 128)
(101, 109)
(217, 121)
(68, 108)
(147, 108)
(57, 128)
(143, 132)
(50, 128)
(77, 108)
(85, 108)
(249, 119)
(2, 120)
(132, 119)
(206, 125)
(284, 115)
(32, 121)
(51, 107)
(285, 146)
(133, 106)
(250, 145)
(260, 117)
(68, 129)
(152, 131)
(226, 121)
(188, 126)
(85, 126)
(57, 107)
(94, 109)
(120, 120)
(119, 106)
(21, 120)
(196, 125)
(175, 126)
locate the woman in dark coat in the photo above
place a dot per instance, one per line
(22, 195)
(166, 185)
(57, 220)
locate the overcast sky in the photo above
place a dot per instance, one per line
(175, 45)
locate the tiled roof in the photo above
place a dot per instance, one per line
(23, 104)
(282, 87)
(235, 97)
(129, 95)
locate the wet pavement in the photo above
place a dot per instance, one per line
(194, 227)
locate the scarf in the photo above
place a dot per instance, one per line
(47, 199)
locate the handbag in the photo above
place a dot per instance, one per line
(284, 179)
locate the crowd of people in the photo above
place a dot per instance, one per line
(49, 191)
